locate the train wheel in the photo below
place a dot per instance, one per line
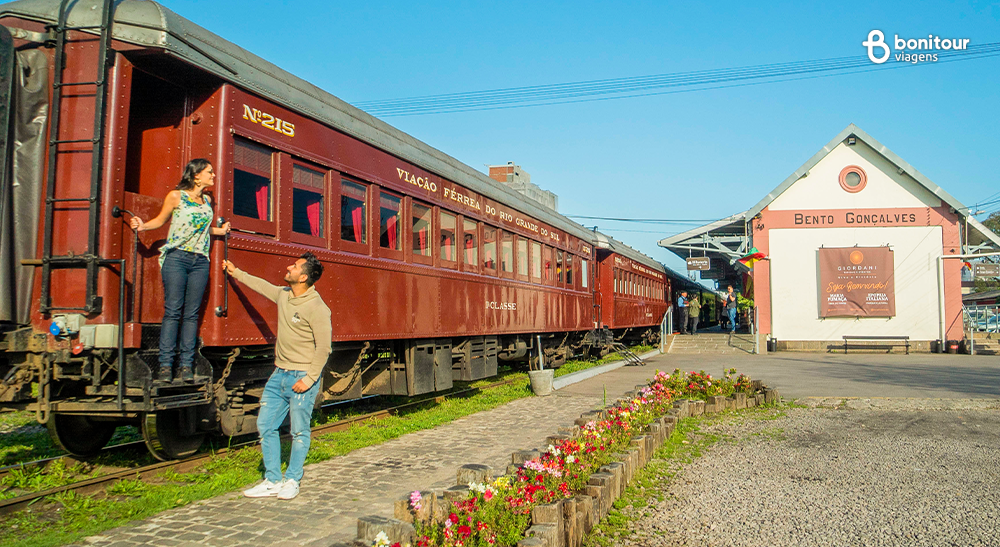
(79, 435)
(166, 436)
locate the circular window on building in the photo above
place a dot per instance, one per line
(853, 179)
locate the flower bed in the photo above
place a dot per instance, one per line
(553, 497)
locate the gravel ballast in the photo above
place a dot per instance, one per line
(855, 475)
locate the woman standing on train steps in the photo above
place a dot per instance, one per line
(183, 265)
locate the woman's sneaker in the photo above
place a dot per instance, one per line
(265, 489)
(289, 489)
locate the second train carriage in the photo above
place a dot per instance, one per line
(434, 271)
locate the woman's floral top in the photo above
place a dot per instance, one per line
(189, 227)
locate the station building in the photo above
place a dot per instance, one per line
(855, 242)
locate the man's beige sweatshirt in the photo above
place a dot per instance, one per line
(305, 333)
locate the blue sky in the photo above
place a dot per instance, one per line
(699, 155)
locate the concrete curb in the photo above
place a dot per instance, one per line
(570, 379)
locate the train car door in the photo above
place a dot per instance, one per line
(153, 167)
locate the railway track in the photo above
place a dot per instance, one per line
(185, 465)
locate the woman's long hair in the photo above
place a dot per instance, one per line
(191, 170)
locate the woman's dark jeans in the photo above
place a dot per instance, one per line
(185, 276)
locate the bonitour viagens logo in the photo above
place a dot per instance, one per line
(910, 50)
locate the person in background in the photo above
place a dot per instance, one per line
(305, 335)
(183, 265)
(694, 310)
(682, 309)
(731, 302)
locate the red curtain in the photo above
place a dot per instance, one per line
(262, 202)
(391, 226)
(488, 259)
(469, 244)
(447, 248)
(356, 218)
(422, 234)
(312, 211)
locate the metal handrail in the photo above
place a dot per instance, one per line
(987, 315)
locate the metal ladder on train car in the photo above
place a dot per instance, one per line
(90, 260)
(630, 358)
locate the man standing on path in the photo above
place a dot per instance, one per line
(731, 302)
(694, 307)
(682, 309)
(303, 346)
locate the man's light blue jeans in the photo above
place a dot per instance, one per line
(275, 404)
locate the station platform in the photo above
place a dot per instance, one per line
(367, 481)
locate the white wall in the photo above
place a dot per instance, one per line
(885, 188)
(795, 283)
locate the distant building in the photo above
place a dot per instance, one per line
(856, 242)
(520, 181)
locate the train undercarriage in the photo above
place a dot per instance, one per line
(76, 395)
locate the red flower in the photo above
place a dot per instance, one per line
(453, 518)
(464, 531)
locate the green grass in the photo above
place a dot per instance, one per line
(23, 439)
(688, 442)
(68, 517)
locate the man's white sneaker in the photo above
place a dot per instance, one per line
(265, 489)
(289, 489)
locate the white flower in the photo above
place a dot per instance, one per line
(477, 487)
(381, 540)
(570, 459)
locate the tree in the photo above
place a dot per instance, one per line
(993, 222)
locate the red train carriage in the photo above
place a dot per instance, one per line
(631, 292)
(434, 272)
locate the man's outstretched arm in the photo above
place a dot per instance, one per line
(272, 292)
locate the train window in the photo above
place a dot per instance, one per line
(389, 224)
(448, 222)
(470, 229)
(507, 252)
(522, 257)
(536, 261)
(547, 265)
(583, 273)
(421, 230)
(560, 277)
(307, 201)
(570, 280)
(352, 212)
(489, 247)
(251, 180)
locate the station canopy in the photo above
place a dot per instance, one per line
(724, 242)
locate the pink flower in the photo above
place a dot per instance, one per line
(415, 500)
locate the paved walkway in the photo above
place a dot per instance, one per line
(367, 481)
(918, 375)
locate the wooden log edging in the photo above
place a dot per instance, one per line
(563, 523)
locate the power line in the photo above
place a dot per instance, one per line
(642, 86)
(648, 220)
(661, 233)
